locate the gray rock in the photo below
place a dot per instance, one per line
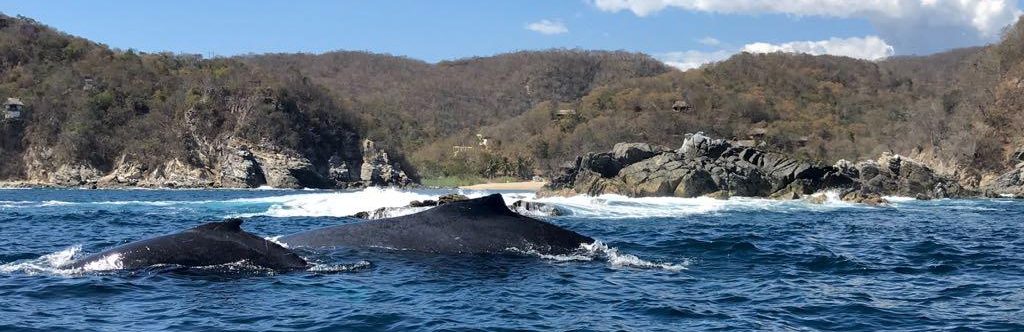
(696, 183)
(629, 153)
(537, 208)
(239, 168)
(378, 169)
(1010, 183)
(1018, 156)
(705, 166)
(601, 163)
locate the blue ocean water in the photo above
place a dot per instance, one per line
(663, 264)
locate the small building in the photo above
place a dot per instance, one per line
(561, 114)
(88, 84)
(483, 140)
(13, 108)
(757, 133)
(458, 150)
(681, 106)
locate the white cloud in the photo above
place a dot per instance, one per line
(915, 25)
(710, 41)
(548, 27)
(867, 48)
(687, 60)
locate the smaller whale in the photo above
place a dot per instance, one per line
(209, 244)
(476, 226)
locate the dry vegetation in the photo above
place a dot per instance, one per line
(89, 104)
(961, 110)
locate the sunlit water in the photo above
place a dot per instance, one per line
(662, 264)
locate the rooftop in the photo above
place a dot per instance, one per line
(14, 102)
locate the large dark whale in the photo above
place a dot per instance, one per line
(482, 225)
(209, 244)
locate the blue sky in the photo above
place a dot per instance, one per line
(682, 32)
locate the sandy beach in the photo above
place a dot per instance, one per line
(527, 186)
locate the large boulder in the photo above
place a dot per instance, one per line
(657, 176)
(286, 169)
(695, 183)
(699, 145)
(378, 169)
(1010, 183)
(630, 153)
(899, 176)
(240, 169)
(602, 163)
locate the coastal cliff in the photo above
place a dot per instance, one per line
(703, 166)
(233, 164)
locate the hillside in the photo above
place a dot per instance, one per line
(958, 111)
(97, 115)
(408, 103)
(300, 119)
(93, 112)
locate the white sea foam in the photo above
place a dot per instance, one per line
(347, 203)
(333, 204)
(106, 263)
(52, 263)
(615, 258)
(342, 204)
(338, 268)
(622, 207)
(899, 199)
(37, 204)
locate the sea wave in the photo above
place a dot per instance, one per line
(344, 204)
(347, 203)
(622, 207)
(339, 268)
(56, 264)
(333, 204)
(601, 251)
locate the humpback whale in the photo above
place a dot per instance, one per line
(475, 226)
(204, 245)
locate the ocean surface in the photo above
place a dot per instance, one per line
(663, 264)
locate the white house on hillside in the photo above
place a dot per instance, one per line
(12, 108)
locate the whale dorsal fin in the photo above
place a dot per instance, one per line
(494, 203)
(227, 225)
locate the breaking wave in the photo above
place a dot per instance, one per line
(56, 264)
(344, 204)
(348, 203)
(617, 206)
(616, 259)
(333, 204)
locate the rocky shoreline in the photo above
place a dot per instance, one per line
(235, 164)
(703, 166)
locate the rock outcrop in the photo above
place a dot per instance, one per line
(703, 166)
(379, 169)
(1009, 184)
(234, 164)
(538, 209)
